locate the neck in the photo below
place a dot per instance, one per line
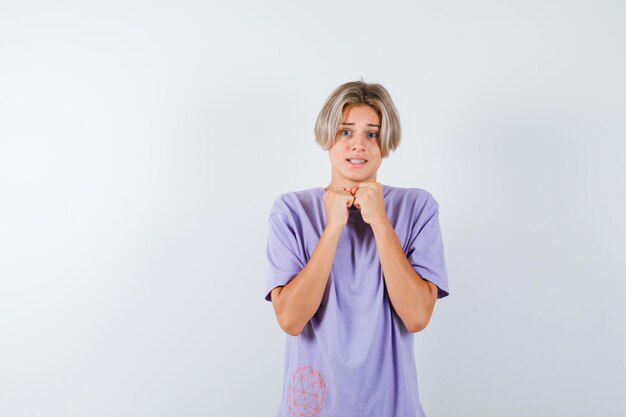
(346, 184)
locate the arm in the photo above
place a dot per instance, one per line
(296, 302)
(412, 297)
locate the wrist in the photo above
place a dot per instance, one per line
(381, 225)
(333, 229)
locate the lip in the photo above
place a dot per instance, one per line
(356, 165)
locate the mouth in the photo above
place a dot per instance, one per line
(356, 162)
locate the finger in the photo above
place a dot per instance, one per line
(341, 190)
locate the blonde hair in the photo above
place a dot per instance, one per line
(359, 93)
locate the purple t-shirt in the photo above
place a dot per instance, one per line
(354, 358)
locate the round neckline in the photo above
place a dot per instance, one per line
(386, 189)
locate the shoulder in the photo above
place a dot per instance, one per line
(292, 202)
(419, 198)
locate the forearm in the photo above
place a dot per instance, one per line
(298, 301)
(410, 295)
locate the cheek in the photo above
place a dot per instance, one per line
(336, 156)
(377, 151)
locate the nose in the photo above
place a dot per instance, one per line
(359, 142)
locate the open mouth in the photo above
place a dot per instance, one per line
(357, 162)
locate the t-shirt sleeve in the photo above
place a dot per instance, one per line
(425, 251)
(283, 257)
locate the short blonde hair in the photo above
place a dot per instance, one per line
(358, 93)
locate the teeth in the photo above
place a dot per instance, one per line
(357, 161)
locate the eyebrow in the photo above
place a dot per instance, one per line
(352, 124)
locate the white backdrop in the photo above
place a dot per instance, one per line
(142, 144)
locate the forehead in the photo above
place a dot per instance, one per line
(360, 113)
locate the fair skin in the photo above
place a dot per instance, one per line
(412, 297)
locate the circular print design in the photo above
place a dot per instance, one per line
(307, 391)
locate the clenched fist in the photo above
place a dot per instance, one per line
(337, 203)
(369, 198)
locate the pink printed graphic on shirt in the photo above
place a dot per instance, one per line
(307, 391)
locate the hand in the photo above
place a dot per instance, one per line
(337, 202)
(369, 198)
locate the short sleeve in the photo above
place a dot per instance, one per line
(284, 261)
(425, 251)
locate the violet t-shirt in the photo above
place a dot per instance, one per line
(354, 358)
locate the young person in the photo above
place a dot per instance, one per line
(354, 270)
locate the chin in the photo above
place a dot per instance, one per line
(359, 179)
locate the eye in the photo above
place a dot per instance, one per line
(344, 132)
(372, 134)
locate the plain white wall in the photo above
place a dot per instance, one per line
(142, 144)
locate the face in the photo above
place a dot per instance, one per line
(356, 139)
